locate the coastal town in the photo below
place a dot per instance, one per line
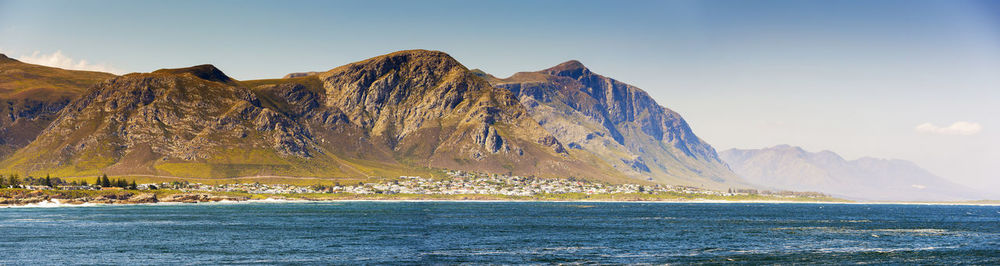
(467, 183)
(458, 183)
(455, 183)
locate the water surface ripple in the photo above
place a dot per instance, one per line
(500, 233)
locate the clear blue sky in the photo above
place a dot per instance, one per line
(854, 77)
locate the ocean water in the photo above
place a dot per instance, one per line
(500, 233)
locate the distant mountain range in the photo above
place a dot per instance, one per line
(403, 113)
(792, 168)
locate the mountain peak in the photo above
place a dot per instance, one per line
(571, 64)
(419, 53)
(783, 146)
(4, 58)
(571, 68)
(427, 58)
(787, 148)
(206, 72)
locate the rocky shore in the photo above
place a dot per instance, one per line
(47, 197)
(35, 197)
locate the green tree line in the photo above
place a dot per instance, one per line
(16, 181)
(104, 181)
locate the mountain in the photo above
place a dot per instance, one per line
(182, 122)
(393, 114)
(424, 108)
(32, 95)
(792, 168)
(617, 122)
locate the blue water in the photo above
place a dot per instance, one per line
(482, 232)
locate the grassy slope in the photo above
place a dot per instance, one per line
(33, 94)
(21, 80)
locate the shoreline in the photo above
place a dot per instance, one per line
(57, 203)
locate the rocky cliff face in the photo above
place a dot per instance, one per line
(617, 122)
(792, 168)
(31, 96)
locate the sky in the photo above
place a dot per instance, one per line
(913, 79)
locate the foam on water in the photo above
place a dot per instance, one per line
(52, 203)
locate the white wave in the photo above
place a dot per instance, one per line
(52, 203)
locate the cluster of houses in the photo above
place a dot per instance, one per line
(254, 188)
(456, 182)
(459, 182)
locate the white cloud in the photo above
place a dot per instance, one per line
(957, 128)
(58, 59)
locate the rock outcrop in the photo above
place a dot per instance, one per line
(142, 198)
(196, 198)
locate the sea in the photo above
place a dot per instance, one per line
(401, 232)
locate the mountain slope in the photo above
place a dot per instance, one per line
(180, 122)
(791, 168)
(424, 108)
(619, 123)
(32, 95)
(395, 114)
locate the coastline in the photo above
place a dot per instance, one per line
(84, 198)
(57, 203)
